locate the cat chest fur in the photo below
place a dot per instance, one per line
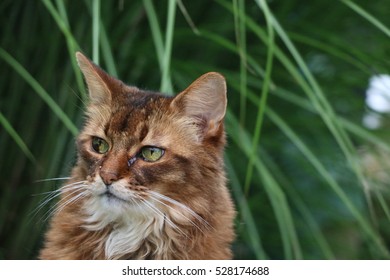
(130, 236)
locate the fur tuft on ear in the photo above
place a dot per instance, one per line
(98, 81)
(204, 101)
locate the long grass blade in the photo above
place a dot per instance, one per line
(61, 20)
(163, 51)
(95, 30)
(240, 30)
(107, 52)
(246, 214)
(39, 90)
(378, 24)
(16, 137)
(156, 31)
(264, 92)
(166, 83)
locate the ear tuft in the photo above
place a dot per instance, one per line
(205, 101)
(98, 81)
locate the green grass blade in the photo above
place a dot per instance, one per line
(367, 16)
(166, 83)
(72, 44)
(95, 30)
(240, 30)
(383, 203)
(62, 12)
(316, 95)
(15, 136)
(351, 127)
(156, 31)
(187, 17)
(39, 90)
(264, 93)
(107, 52)
(103, 40)
(163, 51)
(248, 219)
(332, 50)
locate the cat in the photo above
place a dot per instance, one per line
(149, 181)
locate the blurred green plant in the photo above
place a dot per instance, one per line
(296, 72)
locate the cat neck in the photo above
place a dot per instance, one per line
(134, 235)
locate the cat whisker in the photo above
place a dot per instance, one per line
(62, 189)
(155, 210)
(53, 194)
(71, 191)
(161, 214)
(182, 206)
(62, 206)
(181, 214)
(52, 179)
(50, 212)
(72, 184)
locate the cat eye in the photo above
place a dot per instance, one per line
(99, 145)
(151, 154)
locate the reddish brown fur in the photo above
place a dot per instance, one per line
(190, 171)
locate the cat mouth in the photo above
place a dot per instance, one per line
(111, 196)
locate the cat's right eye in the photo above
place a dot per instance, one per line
(99, 145)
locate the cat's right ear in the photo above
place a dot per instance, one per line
(204, 103)
(98, 81)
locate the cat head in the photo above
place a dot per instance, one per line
(143, 153)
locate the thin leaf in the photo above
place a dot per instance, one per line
(95, 30)
(166, 83)
(15, 136)
(39, 90)
(62, 22)
(245, 211)
(367, 16)
(264, 93)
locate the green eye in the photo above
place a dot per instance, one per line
(151, 154)
(99, 145)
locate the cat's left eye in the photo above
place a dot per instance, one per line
(151, 154)
(100, 145)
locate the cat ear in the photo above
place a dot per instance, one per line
(204, 101)
(98, 81)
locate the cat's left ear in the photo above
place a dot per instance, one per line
(204, 101)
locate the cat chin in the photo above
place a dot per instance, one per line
(104, 210)
(131, 223)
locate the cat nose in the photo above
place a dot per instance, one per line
(108, 177)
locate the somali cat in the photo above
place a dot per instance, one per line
(149, 182)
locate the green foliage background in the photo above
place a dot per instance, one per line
(297, 72)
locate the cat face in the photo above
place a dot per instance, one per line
(144, 154)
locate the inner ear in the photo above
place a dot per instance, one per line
(204, 101)
(100, 84)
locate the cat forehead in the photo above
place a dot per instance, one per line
(134, 98)
(135, 113)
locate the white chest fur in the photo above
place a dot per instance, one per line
(130, 228)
